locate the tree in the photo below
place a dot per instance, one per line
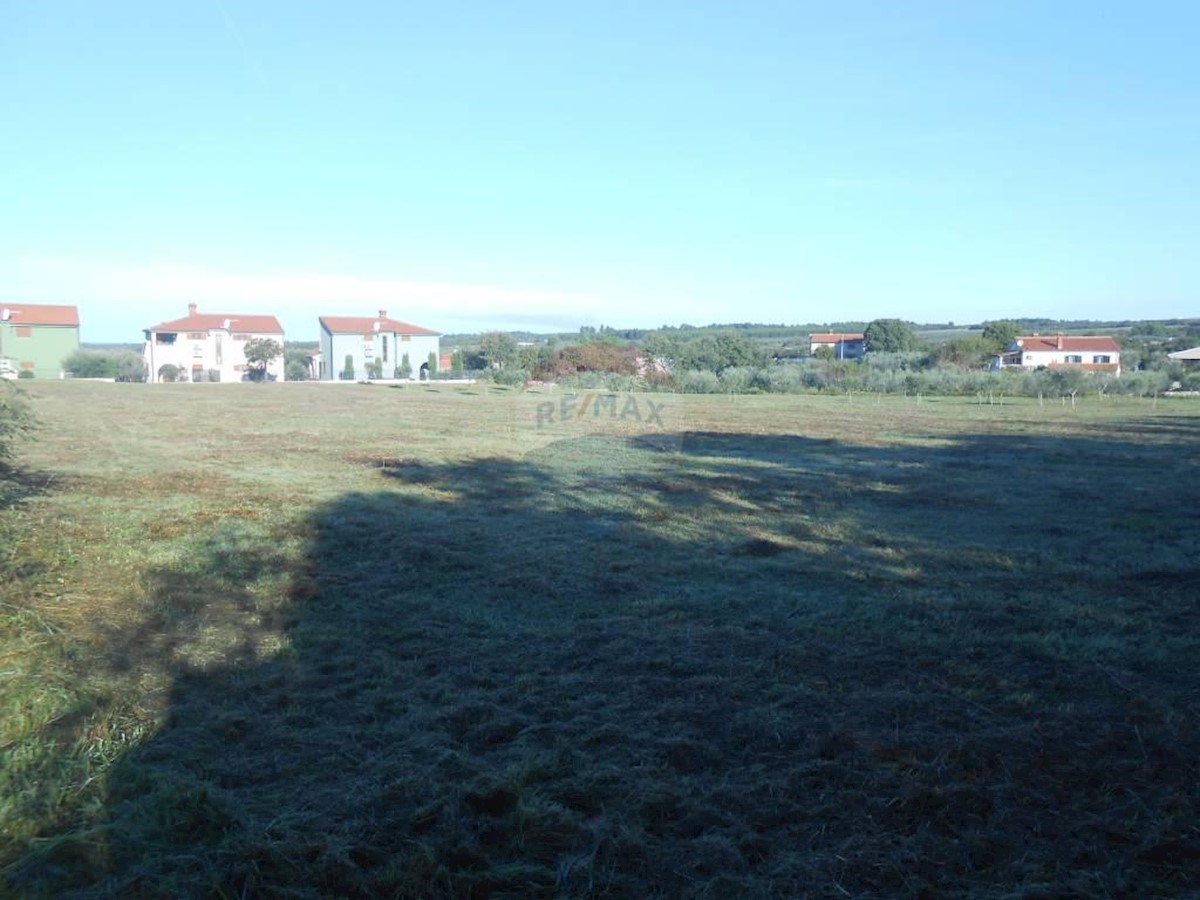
(498, 348)
(456, 363)
(348, 368)
(661, 346)
(130, 366)
(433, 363)
(260, 353)
(963, 351)
(1000, 334)
(889, 336)
(404, 370)
(718, 352)
(295, 364)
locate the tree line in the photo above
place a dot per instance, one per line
(705, 360)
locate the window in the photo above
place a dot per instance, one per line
(196, 335)
(24, 331)
(385, 348)
(1102, 359)
(167, 337)
(1073, 359)
(241, 336)
(218, 348)
(405, 338)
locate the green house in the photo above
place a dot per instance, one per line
(36, 339)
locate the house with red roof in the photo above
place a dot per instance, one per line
(356, 348)
(35, 339)
(208, 346)
(1089, 353)
(845, 345)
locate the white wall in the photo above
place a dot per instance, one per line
(336, 347)
(216, 350)
(1035, 358)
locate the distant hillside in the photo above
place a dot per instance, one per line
(94, 345)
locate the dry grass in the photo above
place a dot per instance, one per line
(315, 640)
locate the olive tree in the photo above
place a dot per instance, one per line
(260, 353)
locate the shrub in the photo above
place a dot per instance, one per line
(16, 419)
(737, 379)
(784, 379)
(510, 376)
(590, 357)
(91, 364)
(602, 381)
(404, 370)
(348, 368)
(696, 381)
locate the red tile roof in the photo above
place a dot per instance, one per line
(241, 322)
(30, 314)
(366, 325)
(835, 337)
(1049, 343)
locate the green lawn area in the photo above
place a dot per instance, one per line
(314, 640)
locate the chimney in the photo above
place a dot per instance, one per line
(1060, 342)
(383, 314)
(191, 309)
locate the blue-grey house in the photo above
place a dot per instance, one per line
(357, 348)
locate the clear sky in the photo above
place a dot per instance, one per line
(544, 165)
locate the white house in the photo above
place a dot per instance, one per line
(361, 347)
(1091, 353)
(209, 346)
(845, 345)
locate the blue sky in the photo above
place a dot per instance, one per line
(545, 165)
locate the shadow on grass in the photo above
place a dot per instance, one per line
(762, 666)
(19, 484)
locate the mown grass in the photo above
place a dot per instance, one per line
(311, 640)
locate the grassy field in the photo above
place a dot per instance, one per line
(300, 640)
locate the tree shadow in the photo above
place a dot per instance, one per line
(758, 666)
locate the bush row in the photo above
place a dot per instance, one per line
(810, 377)
(833, 377)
